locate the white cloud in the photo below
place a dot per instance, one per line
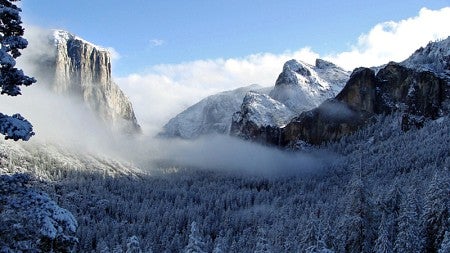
(395, 41)
(156, 42)
(114, 54)
(165, 90)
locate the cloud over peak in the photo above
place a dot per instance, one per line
(395, 41)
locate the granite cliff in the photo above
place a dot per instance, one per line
(299, 87)
(395, 88)
(82, 70)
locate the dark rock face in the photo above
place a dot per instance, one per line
(360, 91)
(394, 88)
(330, 121)
(248, 130)
(416, 92)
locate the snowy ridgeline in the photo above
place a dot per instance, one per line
(386, 189)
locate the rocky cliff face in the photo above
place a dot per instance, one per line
(393, 88)
(299, 87)
(260, 118)
(84, 70)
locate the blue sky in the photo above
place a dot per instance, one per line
(174, 53)
(147, 33)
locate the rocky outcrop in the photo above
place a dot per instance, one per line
(301, 86)
(83, 70)
(260, 118)
(211, 115)
(393, 88)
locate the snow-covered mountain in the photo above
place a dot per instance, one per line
(302, 86)
(211, 115)
(259, 114)
(299, 87)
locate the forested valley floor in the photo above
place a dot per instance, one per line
(384, 189)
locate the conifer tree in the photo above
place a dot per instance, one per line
(409, 238)
(383, 243)
(11, 42)
(196, 243)
(436, 212)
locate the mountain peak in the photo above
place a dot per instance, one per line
(298, 67)
(210, 115)
(63, 37)
(259, 115)
(301, 86)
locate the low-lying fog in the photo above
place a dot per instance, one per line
(67, 121)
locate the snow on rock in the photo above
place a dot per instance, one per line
(434, 57)
(259, 114)
(301, 86)
(263, 111)
(210, 115)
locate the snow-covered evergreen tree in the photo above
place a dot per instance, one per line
(353, 226)
(30, 221)
(11, 42)
(437, 211)
(133, 245)
(409, 238)
(220, 245)
(383, 243)
(196, 243)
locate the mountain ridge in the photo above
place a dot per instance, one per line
(316, 86)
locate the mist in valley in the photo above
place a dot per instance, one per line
(66, 121)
